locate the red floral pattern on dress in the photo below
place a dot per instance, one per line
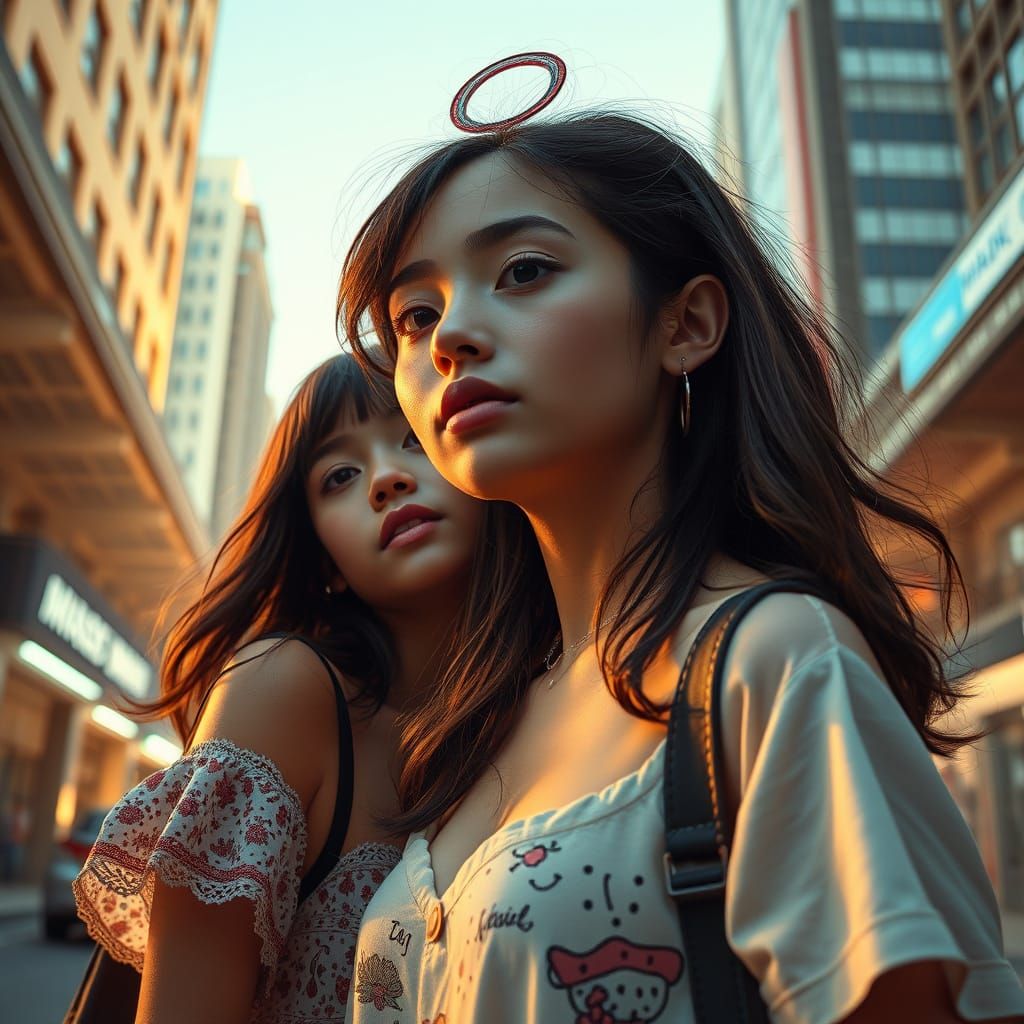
(222, 821)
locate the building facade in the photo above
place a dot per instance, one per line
(100, 105)
(849, 151)
(215, 417)
(946, 407)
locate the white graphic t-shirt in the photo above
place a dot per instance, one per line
(849, 858)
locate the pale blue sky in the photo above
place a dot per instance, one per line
(325, 103)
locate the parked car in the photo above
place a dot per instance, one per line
(68, 857)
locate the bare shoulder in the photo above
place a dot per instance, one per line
(276, 698)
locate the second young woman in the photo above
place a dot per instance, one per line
(234, 879)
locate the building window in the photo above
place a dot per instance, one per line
(199, 217)
(189, 458)
(184, 155)
(69, 165)
(1004, 145)
(135, 172)
(36, 84)
(195, 66)
(137, 15)
(197, 384)
(194, 250)
(151, 224)
(170, 114)
(156, 62)
(177, 383)
(93, 44)
(211, 282)
(983, 168)
(962, 19)
(185, 16)
(206, 315)
(214, 250)
(201, 350)
(218, 218)
(189, 282)
(172, 419)
(95, 227)
(116, 113)
(185, 314)
(117, 282)
(193, 420)
(996, 92)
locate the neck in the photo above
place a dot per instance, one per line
(585, 528)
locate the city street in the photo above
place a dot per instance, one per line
(37, 978)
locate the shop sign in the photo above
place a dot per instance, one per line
(44, 598)
(69, 615)
(983, 263)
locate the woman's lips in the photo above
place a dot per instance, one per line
(475, 416)
(407, 524)
(471, 402)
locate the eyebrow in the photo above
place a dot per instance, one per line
(482, 238)
(335, 443)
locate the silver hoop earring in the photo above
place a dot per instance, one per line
(684, 404)
(327, 590)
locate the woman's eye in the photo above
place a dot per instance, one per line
(412, 441)
(412, 321)
(339, 477)
(525, 270)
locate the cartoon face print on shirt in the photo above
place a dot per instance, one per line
(617, 981)
(532, 857)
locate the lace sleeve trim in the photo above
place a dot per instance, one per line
(220, 821)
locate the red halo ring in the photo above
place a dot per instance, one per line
(552, 63)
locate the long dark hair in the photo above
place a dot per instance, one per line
(270, 572)
(766, 476)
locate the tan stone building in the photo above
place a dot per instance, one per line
(100, 105)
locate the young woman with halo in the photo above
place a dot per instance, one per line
(582, 322)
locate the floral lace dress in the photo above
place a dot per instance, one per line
(223, 822)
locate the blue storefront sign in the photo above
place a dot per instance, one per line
(984, 261)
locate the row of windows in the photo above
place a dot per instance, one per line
(914, 159)
(902, 260)
(187, 315)
(896, 126)
(200, 218)
(183, 348)
(196, 248)
(190, 282)
(178, 382)
(892, 296)
(923, 97)
(909, 192)
(175, 419)
(905, 35)
(899, 65)
(895, 225)
(898, 10)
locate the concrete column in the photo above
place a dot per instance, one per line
(55, 788)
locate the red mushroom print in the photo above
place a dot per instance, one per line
(617, 981)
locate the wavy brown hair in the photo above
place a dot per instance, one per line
(767, 475)
(270, 572)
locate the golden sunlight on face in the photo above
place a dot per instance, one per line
(523, 301)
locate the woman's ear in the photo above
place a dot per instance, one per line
(693, 323)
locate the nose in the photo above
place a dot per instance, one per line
(389, 483)
(459, 339)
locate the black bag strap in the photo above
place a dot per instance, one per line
(331, 851)
(698, 822)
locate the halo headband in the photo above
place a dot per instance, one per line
(555, 67)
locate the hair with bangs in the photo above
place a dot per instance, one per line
(766, 475)
(270, 572)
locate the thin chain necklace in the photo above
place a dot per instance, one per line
(552, 665)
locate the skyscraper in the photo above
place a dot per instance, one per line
(215, 414)
(849, 149)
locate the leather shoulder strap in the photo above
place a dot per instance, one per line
(698, 822)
